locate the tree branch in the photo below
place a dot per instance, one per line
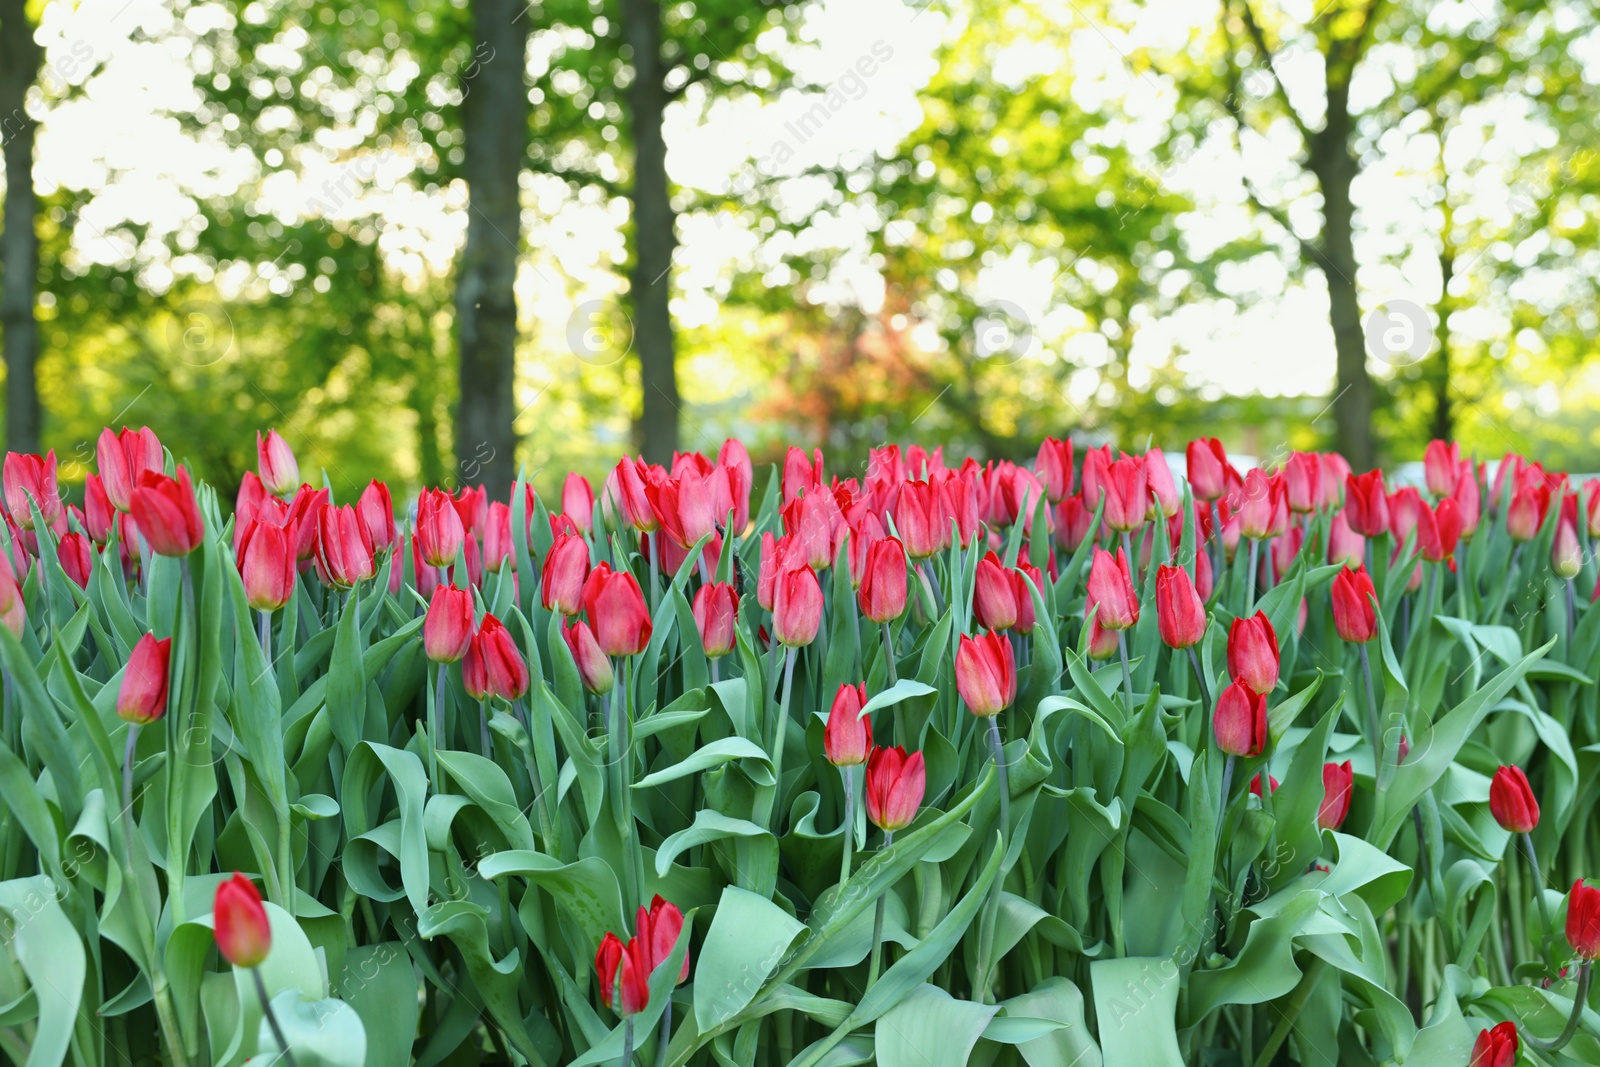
(1259, 38)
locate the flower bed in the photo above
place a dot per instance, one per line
(1065, 764)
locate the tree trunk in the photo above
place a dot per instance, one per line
(19, 243)
(494, 118)
(653, 236)
(1443, 425)
(1336, 169)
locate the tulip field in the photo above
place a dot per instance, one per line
(1099, 759)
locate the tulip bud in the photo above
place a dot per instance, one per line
(279, 471)
(636, 508)
(594, 666)
(1180, 614)
(447, 628)
(239, 920)
(77, 558)
(796, 607)
(994, 601)
(492, 666)
(143, 696)
(1207, 463)
(267, 567)
(1566, 556)
(1255, 784)
(566, 566)
(167, 514)
(847, 740)
(1020, 576)
(376, 509)
(1102, 642)
(98, 514)
(1240, 722)
(1344, 544)
(895, 784)
(658, 930)
(1496, 1046)
(882, 594)
(1253, 652)
(986, 673)
(917, 519)
(303, 511)
(715, 610)
(1111, 591)
(343, 550)
(1302, 479)
(1053, 467)
(1511, 801)
(624, 972)
(1439, 530)
(1127, 493)
(439, 529)
(13, 612)
(123, 459)
(1355, 615)
(577, 501)
(1583, 920)
(1256, 504)
(497, 538)
(616, 609)
(1073, 523)
(1366, 504)
(1526, 512)
(1163, 490)
(1337, 781)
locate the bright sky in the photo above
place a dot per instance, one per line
(117, 138)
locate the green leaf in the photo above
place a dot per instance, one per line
(748, 937)
(380, 984)
(1136, 1000)
(758, 766)
(930, 1028)
(320, 1033)
(1058, 1000)
(51, 954)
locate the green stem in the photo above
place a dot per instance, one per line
(1538, 892)
(888, 654)
(1200, 677)
(1127, 674)
(877, 924)
(849, 777)
(1291, 1011)
(1373, 727)
(1250, 577)
(997, 748)
(1227, 785)
(1579, 1000)
(627, 1022)
(272, 1019)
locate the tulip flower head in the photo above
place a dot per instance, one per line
(594, 666)
(1583, 920)
(624, 972)
(240, 923)
(847, 740)
(895, 784)
(165, 510)
(280, 473)
(1253, 652)
(267, 567)
(882, 592)
(492, 666)
(658, 928)
(1511, 801)
(123, 459)
(796, 607)
(439, 529)
(994, 600)
(616, 609)
(1337, 782)
(986, 673)
(1355, 615)
(1111, 592)
(566, 568)
(577, 501)
(1207, 466)
(1240, 721)
(1366, 504)
(448, 626)
(142, 699)
(716, 612)
(1495, 1046)
(1180, 613)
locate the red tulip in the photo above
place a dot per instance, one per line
(1102, 642)
(447, 628)
(1468, 499)
(1302, 479)
(577, 501)
(1259, 500)
(735, 459)
(1337, 781)
(566, 567)
(847, 740)
(1073, 523)
(76, 557)
(801, 473)
(994, 601)
(658, 930)
(1566, 555)
(917, 520)
(98, 514)
(716, 611)
(1203, 582)
(1495, 1047)
(633, 494)
(1111, 591)
(1053, 466)
(1285, 550)
(243, 932)
(814, 523)
(1255, 784)
(1253, 652)
(439, 529)
(1344, 544)
(1334, 472)
(1127, 493)
(472, 508)
(167, 514)
(123, 458)
(267, 566)
(1163, 489)
(1207, 464)
(143, 696)
(1439, 530)
(1020, 575)
(376, 509)
(1240, 722)
(1511, 801)
(796, 607)
(624, 971)
(13, 612)
(1180, 613)
(1527, 511)
(280, 473)
(986, 673)
(492, 666)
(1355, 617)
(617, 612)
(303, 510)
(882, 594)
(30, 480)
(1366, 504)
(895, 784)
(594, 666)
(1583, 920)
(343, 550)
(497, 537)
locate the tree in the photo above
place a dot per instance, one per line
(494, 119)
(19, 243)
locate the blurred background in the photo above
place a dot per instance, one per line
(437, 240)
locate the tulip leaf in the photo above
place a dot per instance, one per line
(1069, 1044)
(708, 826)
(320, 1033)
(1135, 1001)
(51, 955)
(902, 690)
(747, 939)
(930, 1028)
(758, 766)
